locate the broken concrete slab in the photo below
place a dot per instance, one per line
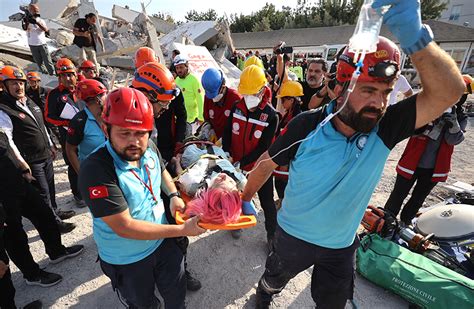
(196, 31)
(129, 16)
(124, 62)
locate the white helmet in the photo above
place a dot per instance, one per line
(179, 59)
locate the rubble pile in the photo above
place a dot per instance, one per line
(122, 35)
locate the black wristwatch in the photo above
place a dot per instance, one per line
(171, 195)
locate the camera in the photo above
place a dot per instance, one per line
(283, 49)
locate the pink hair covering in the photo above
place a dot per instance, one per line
(216, 206)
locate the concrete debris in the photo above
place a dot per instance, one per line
(205, 43)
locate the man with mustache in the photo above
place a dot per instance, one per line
(336, 160)
(314, 82)
(121, 183)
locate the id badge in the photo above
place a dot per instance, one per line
(158, 209)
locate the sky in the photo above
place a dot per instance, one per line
(177, 8)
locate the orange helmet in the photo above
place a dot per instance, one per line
(469, 81)
(33, 76)
(90, 88)
(144, 55)
(10, 72)
(128, 108)
(157, 80)
(87, 65)
(64, 65)
(380, 66)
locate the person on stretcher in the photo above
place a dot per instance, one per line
(213, 185)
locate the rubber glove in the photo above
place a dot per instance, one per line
(403, 19)
(248, 208)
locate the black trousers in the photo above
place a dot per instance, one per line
(7, 291)
(135, 283)
(71, 172)
(27, 202)
(265, 194)
(44, 174)
(332, 281)
(423, 187)
(280, 186)
(183, 241)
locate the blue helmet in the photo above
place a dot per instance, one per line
(212, 80)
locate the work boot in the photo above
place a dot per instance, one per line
(192, 284)
(79, 202)
(262, 300)
(66, 227)
(236, 234)
(37, 304)
(65, 214)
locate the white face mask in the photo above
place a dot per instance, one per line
(218, 98)
(251, 101)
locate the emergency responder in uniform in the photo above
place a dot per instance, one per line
(144, 55)
(157, 83)
(218, 101)
(22, 120)
(60, 108)
(290, 95)
(249, 132)
(121, 183)
(85, 134)
(21, 199)
(192, 91)
(89, 71)
(334, 171)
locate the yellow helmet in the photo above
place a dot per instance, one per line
(290, 89)
(252, 80)
(254, 60)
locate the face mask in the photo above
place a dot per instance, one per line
(251, 101)
(218, 98)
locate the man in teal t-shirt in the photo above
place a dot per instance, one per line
(191, 88)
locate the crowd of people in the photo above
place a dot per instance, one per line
(320, 143)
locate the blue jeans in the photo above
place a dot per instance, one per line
(42, 58)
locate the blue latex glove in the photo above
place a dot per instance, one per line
(403, 19)
(248, 208)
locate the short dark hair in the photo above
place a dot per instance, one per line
(90, 15)
(321, 61)
(176, 52)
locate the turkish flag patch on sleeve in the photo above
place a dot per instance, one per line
(98, 192)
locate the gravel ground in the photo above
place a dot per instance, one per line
(228, 269)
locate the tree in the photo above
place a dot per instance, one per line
(432, 9)
(194, 15)
(262, 25)
(241, 23)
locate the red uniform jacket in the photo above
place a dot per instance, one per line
(217, 114)
(56, 101)
(412, 155)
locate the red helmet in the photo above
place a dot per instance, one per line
(380, 66)
(90, 88)
(144, 55)
(128, 108)
(33, 76)
(64, 65)
(87, 65)
(157, 80)
(11, 72)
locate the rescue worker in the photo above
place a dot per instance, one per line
(157, 83)
(145, 55)
(334, 171)
(219, 100)
(84, 134)
(60, 108)
(34, 90)
(121, 183)
(290, 96)
(89, 70)
(22, 121)
(192, 91)
(254, 60)
(249, 132)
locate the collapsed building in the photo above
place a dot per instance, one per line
(205, 43)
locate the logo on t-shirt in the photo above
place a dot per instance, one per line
(263, 117)
(151, 163)
(98, 192)
(64, 98)
(22, 116)
(361, 141)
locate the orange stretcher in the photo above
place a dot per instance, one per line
(244, 222)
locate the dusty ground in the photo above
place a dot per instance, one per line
(228, 269)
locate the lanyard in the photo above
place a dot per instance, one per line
(149, 187)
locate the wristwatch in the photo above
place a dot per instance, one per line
(423, 41)
(171, 195)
